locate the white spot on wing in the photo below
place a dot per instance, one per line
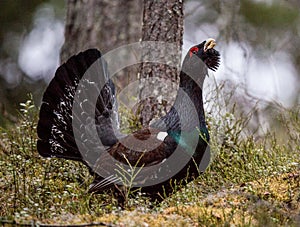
(161, 135)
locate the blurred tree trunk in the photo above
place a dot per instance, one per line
(105, 25)
(162, 21)
(109, 24)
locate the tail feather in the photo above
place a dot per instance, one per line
(55, 129)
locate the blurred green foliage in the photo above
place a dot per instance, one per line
(16, 21)
(15, 16)
(269, 16)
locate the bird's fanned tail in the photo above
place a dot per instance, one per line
(55, 129)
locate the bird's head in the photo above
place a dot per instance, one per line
(206, 52)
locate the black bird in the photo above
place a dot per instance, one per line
(169, 150)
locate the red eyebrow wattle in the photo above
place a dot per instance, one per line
(193, 49)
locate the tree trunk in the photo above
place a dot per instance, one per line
(109, 24)
(162, 21)
(105, 25)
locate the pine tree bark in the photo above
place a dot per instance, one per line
(162, 21)
(105, 25)
(109, 24)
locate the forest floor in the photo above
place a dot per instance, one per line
(252, 181)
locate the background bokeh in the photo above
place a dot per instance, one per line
(258, 40)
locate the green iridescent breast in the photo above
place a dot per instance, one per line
(191, 140)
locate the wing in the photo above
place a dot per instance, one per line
(141, 149)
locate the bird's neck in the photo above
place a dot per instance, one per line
(187, 112)
(193, 91)
(189, 102)
(193, 133)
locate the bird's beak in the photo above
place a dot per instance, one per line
(209, 44)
